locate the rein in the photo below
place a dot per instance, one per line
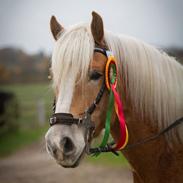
(109, 83)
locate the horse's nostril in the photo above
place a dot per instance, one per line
(67, 146)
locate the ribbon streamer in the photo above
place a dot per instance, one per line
(123, 129)
(114, 100)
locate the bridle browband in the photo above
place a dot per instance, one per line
(85, 121)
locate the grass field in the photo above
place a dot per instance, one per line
(28, 96)
(30, 130)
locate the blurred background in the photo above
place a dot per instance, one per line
(26, 96)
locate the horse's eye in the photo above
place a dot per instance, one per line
(94, 75)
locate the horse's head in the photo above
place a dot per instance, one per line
(78, 74)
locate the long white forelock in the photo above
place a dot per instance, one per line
(71, 58)
(153, 80)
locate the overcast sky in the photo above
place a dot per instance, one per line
(25, 23)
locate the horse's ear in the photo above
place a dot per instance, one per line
(55, 27)
(97, 28)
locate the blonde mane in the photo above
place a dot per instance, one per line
(153, 80)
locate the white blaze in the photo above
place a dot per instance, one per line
(65, 95)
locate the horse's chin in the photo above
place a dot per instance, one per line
(72, 163)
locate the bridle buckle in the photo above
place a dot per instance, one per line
(53, 120)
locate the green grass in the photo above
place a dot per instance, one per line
(11, 142)
(30, 130)
(28, 96)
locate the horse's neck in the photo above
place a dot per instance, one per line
(154, 161)
(151, 162)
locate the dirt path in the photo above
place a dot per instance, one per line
(33, 165)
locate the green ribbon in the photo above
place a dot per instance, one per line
(107, 122)
(109, 112)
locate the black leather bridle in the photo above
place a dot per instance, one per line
(85, 121)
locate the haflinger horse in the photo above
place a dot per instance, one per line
(149, 84)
